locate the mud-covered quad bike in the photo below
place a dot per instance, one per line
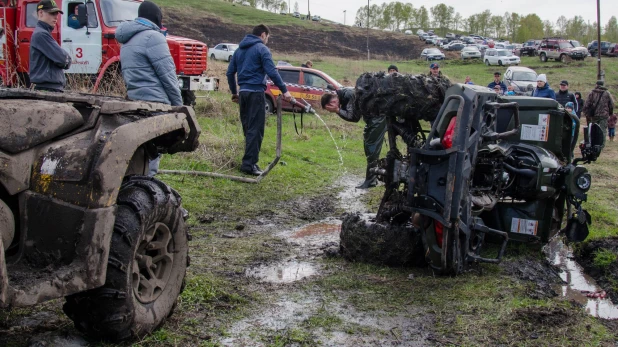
(495, 167)
(79, 218)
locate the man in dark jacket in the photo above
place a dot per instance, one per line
(563, 96)
(598, 107)
(47, 58)
(148, 68)
(250, 64)
(497, 82)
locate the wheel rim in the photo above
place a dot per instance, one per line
(153, 263)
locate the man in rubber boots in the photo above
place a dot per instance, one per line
(598, 107)
(373, 134)
(148, 68)
(47, 59)
(251, 63)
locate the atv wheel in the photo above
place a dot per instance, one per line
(146, 266)
(363, 240)
(188, 98)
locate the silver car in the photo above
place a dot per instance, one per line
(432, 54)
(470, 52)
(521, 78)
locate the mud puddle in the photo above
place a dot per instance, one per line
(578, 284)
(350, 197)
(287, 272)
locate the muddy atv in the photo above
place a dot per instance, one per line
(490, 168)
(80, 219)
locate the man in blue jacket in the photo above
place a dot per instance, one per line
(147, 65)
(47, 58)
(497, 82)
(251, 63)
(542, 89)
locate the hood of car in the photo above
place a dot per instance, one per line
(523, 85)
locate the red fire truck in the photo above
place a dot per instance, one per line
(93, 47)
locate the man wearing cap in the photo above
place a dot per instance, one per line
(47, 58)
(434, 70)
(497, 82)
(563, 96)
(542, 89)
(392, 69)
(147, 65)
(598, 107)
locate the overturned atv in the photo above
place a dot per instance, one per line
(78, 217)
(496, 167)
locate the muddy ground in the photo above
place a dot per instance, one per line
(346, 41)
(277, 279)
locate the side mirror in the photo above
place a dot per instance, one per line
(330, 87)
(82, 15)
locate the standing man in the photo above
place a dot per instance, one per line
(497, 82)
(563, 96)
(598, 107)
(147, 65)
(47, 58)
(251, 63)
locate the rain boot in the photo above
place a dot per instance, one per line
(370, 181)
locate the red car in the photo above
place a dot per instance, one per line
(303, 83)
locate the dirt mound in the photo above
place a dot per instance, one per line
(342, 41)
(536, 317)
(416, 96)
(604, 272)
(363, 240)
(540, 277)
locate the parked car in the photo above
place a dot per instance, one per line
(223, 51)
(612, 51)
(424, 36)
(302, 83)
(296, 15)
(593, 47)
(419, 32)
(470, 52)
(500, 57)
(559, 50)
(432, 54)
(408, 32)
(455, 47)
(430, 39)
(316, 18)
(521, 78)
(579, 47)
(529, 48)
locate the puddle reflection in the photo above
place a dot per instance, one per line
(577, 282)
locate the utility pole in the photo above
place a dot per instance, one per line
(308, 11)
(289, 8)
(344, 17)
(368, 30)
(599, 75)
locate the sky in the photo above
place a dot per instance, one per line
(547, 10)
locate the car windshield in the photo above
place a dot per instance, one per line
(117, 11)
(576, 43)
(433, 51)
(503, 53)
(527, 76)
(566, 45)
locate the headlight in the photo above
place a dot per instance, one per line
(584, 181)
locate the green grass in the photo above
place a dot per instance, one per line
(604, 258)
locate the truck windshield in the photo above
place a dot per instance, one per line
(117, 11)
(565, 45)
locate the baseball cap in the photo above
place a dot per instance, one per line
(434, 65)
(497, 73)
(48, 6)
(564, 82)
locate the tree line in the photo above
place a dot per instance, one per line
(511, 26)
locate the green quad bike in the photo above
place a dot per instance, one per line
(491, 167)
(80, 219)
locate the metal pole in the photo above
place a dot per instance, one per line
(344, 17)
(367, 29)
(308, 11)
(599, 77)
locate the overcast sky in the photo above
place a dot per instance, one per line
(546, 9)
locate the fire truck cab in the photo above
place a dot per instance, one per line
(91, 43)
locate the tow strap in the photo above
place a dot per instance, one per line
(302, 112)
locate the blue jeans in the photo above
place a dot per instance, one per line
(612, 132)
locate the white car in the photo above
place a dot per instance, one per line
(470, 52)
(500, 57)
(223, 51)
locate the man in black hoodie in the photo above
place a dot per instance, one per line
(563, 96)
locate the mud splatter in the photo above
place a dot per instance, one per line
(287, 272)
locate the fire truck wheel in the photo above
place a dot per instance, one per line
(188, 98)
(146, 267)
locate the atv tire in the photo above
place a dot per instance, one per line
(146, 267)
(363, 240)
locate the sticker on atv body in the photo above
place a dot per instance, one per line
(524, 226)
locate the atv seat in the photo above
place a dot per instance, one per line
(27, 123)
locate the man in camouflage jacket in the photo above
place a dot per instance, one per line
(598, 107)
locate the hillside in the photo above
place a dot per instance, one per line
(215, 21)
